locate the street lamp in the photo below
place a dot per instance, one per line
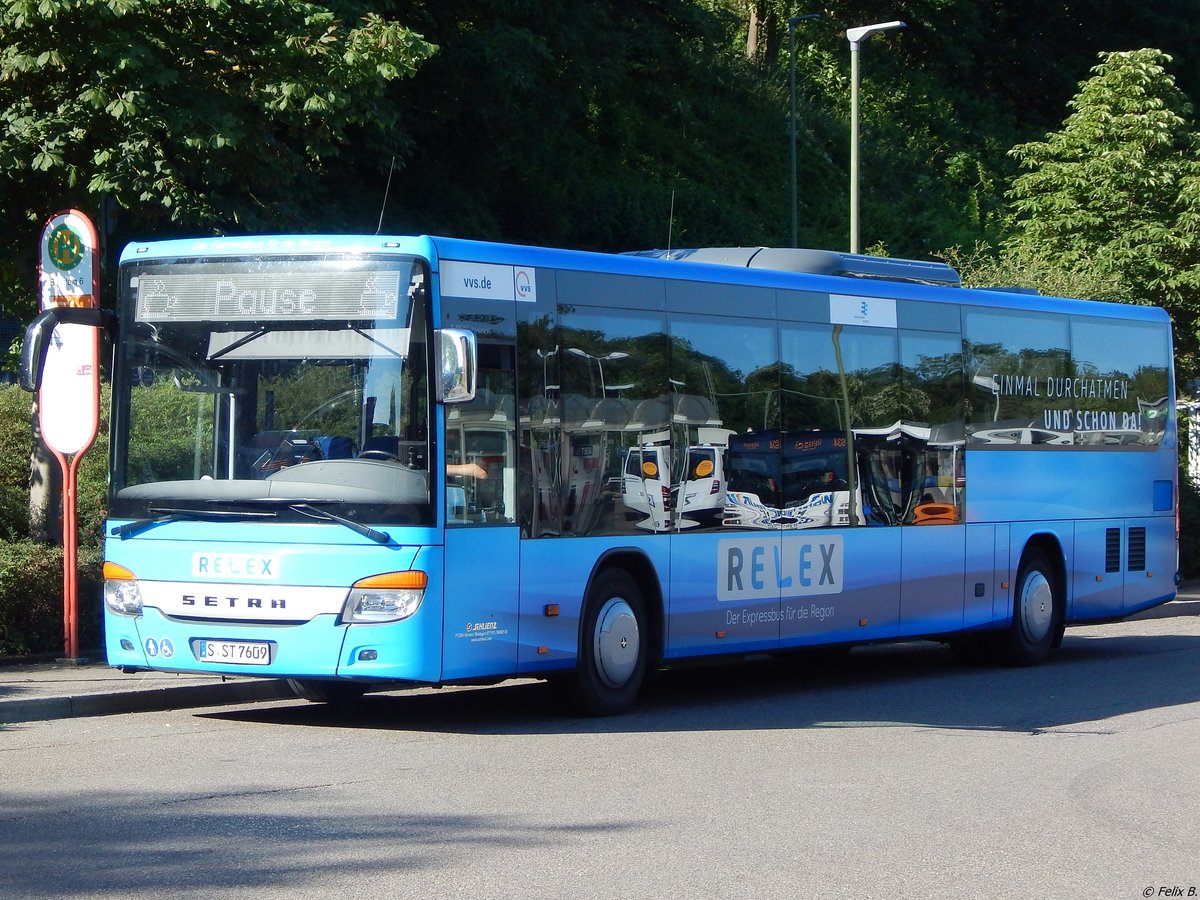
(545, 358)
(856, 36)
(792, 23)
(600, 361)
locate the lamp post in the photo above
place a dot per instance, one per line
(600, 361)
(792, 23)
(856, 36)
(545, 358)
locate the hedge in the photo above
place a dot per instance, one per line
(31, 576)
(31, 599)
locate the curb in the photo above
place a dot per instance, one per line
(37, 709)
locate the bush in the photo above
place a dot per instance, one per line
(91, 508)
(31, 574)
(16, 442)
(31, 599)
(1189, 529)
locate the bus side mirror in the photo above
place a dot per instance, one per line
(456, 370)
(39, 332)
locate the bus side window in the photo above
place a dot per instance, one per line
(481, 478)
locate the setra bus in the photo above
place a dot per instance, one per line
(361, 461)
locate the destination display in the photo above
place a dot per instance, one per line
(296, 292)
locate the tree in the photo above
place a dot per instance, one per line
(609, 126)
(1115, 194)
(196, 114)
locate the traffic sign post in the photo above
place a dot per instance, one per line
(69, 396)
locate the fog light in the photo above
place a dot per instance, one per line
(368, 655)
(126, 644)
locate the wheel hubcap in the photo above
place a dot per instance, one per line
(616, 642)
(1037, 606)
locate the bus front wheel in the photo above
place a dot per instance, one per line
(612, 645)
(1037, 613)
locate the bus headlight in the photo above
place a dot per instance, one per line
(385, 598)
(121, 592)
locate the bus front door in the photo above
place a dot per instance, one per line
(480, 620)
(479, 636)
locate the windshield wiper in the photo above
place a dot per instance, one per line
(306, 507)
(240, 342)
(163, 514)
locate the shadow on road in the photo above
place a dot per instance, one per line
(917, 684)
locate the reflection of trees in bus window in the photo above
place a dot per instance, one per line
(931, 366)
(932, 376)
(1009, 357)
(607, 402)
(891, 396)
(1126, 366)
(817, 384)
(724, 405)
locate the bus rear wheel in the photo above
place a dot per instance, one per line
(1037, 613)
(612, 645)
(335, 693)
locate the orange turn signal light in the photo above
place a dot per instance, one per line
(411, 580)
(113, 572)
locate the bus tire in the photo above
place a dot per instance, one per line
(1037, 613)
(613, 649)
(335, 693)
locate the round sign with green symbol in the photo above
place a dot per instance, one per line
(65, 247)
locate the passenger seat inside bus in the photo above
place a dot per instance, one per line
(935, 514)
(336, 447)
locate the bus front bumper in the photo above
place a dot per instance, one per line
(318, 648)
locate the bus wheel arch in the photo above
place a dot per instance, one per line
(620, 624)
(1039, 605)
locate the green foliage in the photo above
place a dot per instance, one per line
(583, 124)
(16, 443)
(1115, 194)
(1189, 499)
(31, 605)
(167, 426)
(31, 574)
(942, 101)
(91, 506)
(203, 115)
(209, 111)
(1015, 266)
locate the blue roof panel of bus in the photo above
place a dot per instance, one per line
(734, 269)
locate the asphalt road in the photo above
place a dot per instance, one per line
(893, 773)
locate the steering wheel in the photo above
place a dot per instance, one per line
(379, 454)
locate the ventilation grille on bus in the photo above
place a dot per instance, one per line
(1112, 550)
(1137, 549)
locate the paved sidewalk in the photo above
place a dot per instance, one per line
(37, 691)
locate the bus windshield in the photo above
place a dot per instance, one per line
(264, 381)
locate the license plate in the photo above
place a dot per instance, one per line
(245, 653)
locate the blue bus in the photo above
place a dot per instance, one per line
(356, 462)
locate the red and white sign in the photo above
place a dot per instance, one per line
(69, 275)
